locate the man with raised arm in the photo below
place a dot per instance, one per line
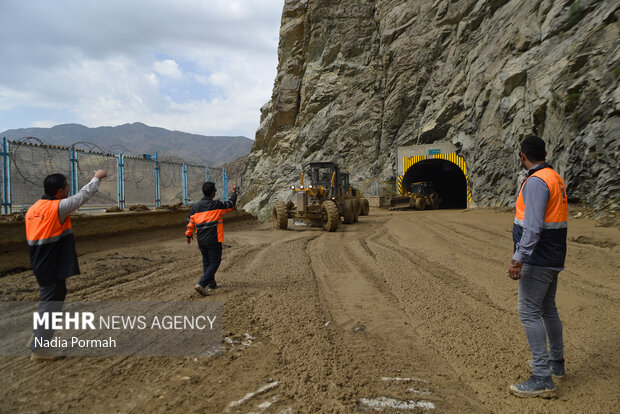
(52, 247)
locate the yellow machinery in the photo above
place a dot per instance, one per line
(321, 202)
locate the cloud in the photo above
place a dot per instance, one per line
(189, 65)
(169, 68)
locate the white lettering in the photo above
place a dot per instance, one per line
(75, 320)
(129, 322)
(211, 320)
(104, 322)
(56, 320)
(141, 322)
(40, 319)
(202, 318)
(188, 323)
(55, 342)
(87, 320)
(93, 343)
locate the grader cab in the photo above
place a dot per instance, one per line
(322, 198)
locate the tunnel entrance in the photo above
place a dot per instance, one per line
(447, 178)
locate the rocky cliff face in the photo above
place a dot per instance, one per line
(358, 79)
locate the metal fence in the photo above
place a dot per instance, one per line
(131, 179)
(376, 188)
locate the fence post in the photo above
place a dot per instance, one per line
(6, 177)
(120, 181)
(74, 175)
(157, 193)
(184, 184)
(207, 175)
(225, 179)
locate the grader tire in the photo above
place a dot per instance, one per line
(357, 209)
(332, 217)
(365, 207)
(347, 212)
(420, 204)
(280, 216)
(435, 203)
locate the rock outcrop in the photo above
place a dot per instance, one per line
(358, 79)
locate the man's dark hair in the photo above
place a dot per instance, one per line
(53, 183)
(533, 148)
(208, 189)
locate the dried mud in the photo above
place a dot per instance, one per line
(412, 309)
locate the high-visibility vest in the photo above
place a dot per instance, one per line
(550, 250)
(50, 242)
(205, 222)
(206, 218)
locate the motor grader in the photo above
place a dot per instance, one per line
(322, 198)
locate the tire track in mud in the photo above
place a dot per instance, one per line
(377, 331)
(455, 318)
(509, 347)
(396, 306)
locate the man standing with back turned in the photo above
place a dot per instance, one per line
(539, 236)
(52, 247)
(206, 217)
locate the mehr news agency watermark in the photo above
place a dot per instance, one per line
(112, 328)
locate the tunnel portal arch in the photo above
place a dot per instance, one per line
(447, 172)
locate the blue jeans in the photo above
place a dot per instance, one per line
(211, 258)
(51, 299)
(539, 316)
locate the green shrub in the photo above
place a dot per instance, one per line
(575, 13)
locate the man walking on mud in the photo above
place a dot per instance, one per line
(206, 218)
(539, 236)
(52, 247)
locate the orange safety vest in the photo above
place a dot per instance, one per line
(43, 224)
(551, 248)
(50, 242)
(556, 215)
(208, 219)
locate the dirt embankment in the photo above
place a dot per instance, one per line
(92, 228)
(409, 308)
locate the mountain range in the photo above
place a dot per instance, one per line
(138, 138)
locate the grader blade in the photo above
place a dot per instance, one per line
(399, 202)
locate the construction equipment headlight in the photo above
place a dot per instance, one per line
(310, 186)
(301, 186)
(292, 187)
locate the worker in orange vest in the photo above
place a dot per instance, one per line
(205, 218)
(539, 236)
(52, 247)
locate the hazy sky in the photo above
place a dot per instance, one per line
(200, 66)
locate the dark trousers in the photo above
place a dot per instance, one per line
(211, 258)
(51, 299)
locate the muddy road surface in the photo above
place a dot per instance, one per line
(402, 312)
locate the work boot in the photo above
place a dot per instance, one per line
(215, 286)
(201, 290)
(534, 386)
(45, 354)
(557, 367)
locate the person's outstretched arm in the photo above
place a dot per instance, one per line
(72, 203)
